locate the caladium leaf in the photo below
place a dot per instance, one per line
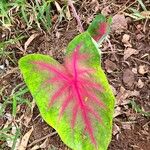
(99, 28)
(75, 97)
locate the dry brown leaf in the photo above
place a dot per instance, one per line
(125, 40)
(59, 9)
(58, 34)
(126, 126)
(110, 66)
(30, 39)
(28, 114)
(134, 70)
(119, 23)
(118, 111)
(25, 139)
(143, 69)
(133, 93)
(106, 11)
(128, 52)
(116, 129)
(114, 90)
(68, 14)
(44, 144)
(128, 77)
(122, 95)
(96, 5)
(140, 36)
(140, 84)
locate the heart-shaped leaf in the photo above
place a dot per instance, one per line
(75, 97)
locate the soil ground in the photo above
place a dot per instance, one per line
(126, 61)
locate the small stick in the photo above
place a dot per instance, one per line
(144, 28)
(41, 139)
(140, 60)
(113, 52)
(76, 16)
(13, 70)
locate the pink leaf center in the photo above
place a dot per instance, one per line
(76, 86)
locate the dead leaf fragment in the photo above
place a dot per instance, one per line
(116, 129)
(133, 93)
(30, 39)
(143, 69)
(122, 95)
(95, 5)
(125, 40)
(118, 111)
(28, 115)
(110, 66)
(106, 11)
(128, 77)
(140, 84)
(140, 36)
(119, 23)
(68, 14)
(134, 70)
(25, 140)
(44, 144)
(59, 9)
(128, 52)
(113, 90)
(126, 126)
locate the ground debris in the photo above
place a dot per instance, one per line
(128, 78)
(25, 139)
(140, 84)
(125, 40)
(119, 23)
(110, 66)
(124, 94)
(143, 69)
(128, 52)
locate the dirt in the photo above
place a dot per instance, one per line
(129, 77)
(132, 139)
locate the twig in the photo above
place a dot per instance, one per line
(113, 52)
(9, 72)
(41, 139)
(76, 15)
(144, 28)
(124, 7)
(140, 60)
